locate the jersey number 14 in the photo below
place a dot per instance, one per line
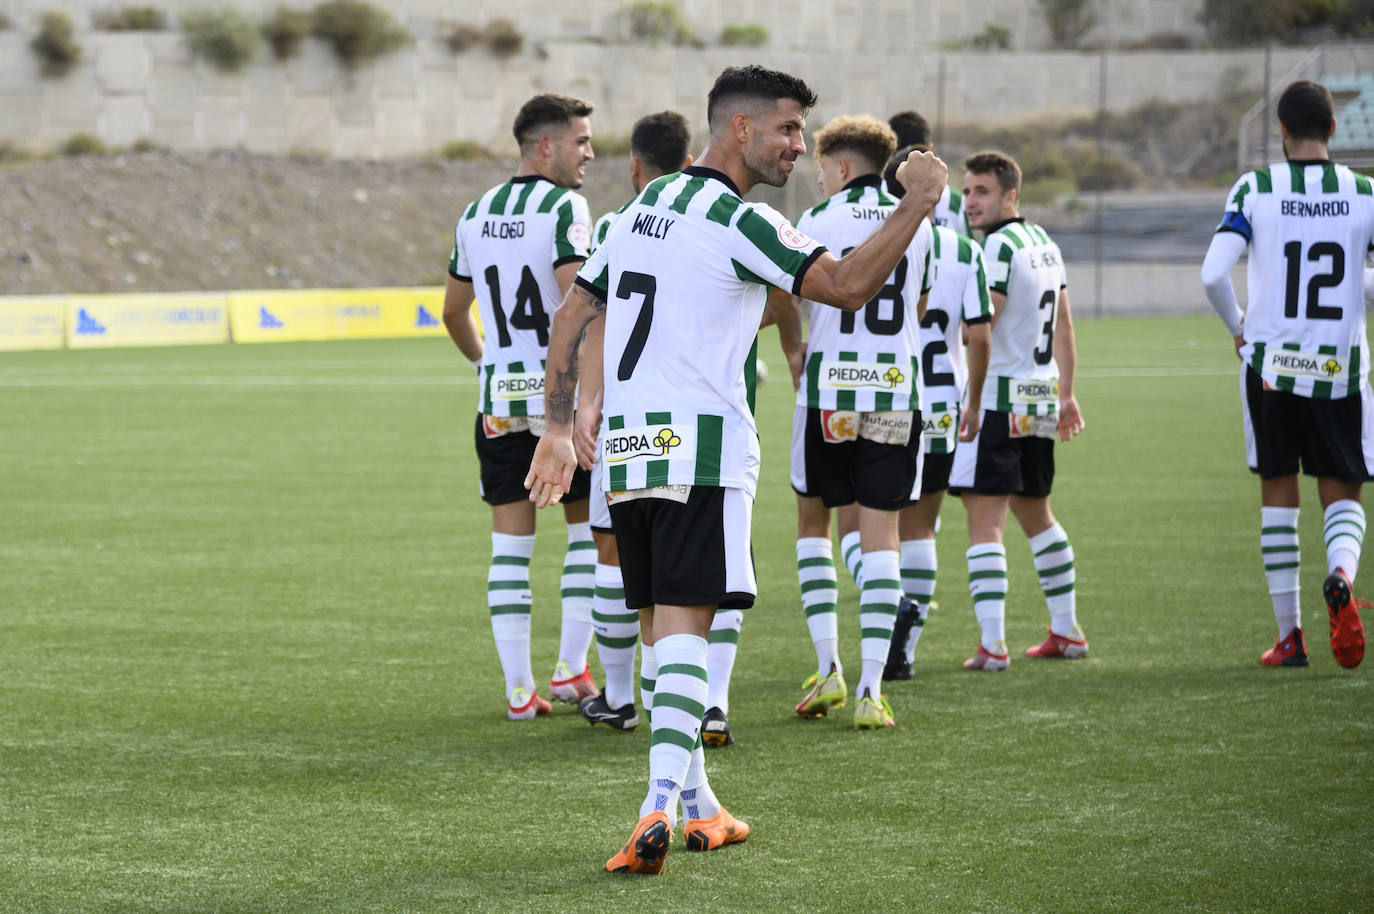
(528, 313)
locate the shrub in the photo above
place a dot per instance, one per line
(146, 145)
(751, 36)
(655, 22)
(223, 37)
(503, 38)
(358, 31)
(1159, 41)
(992, 38)
(131, 19)
(1068, 21)
(465, 149)
(1118, 173)
(460, 37)
(285, 31)
(55, 46)
(1246, 22)
(82, 144)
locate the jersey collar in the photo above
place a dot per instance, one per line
(527, 179)
(1304, 162)
(1003, 224)
(697, 171)
(864, 181)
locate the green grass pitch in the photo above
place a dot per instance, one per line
(245, 665)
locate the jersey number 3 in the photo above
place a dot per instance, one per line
(1292, 252)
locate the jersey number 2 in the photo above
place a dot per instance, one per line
(1292, 252)
(528, 313)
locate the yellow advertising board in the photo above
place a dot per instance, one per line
(161, 319)
(33, 322)
(336, 314)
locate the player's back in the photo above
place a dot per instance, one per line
(508, 244)
(1024, 264)
(865, 360)
(1309, 225)
(958, 293)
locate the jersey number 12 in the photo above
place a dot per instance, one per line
(1292, 252)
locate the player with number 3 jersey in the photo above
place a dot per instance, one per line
(1308, 223)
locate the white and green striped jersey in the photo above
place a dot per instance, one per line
(949, 212)
(866, 360)
(1024, 265)
(603, 226)
(685, 272)
(507, 245)
(958, 296)
(1309, 225)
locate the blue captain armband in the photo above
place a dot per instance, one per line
(1234, 221)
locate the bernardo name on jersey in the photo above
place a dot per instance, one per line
(1304, 326)
(678, 415)
(516, 235)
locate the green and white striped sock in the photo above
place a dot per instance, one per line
(851, 549)
(987, 582)
(617, 632)
(819, 593)
(1282, 555)
(578, 588)
(648, 675)
(508, 601)
(878, 599)
(1054, 563)
(1343, 531)
(919, 564)
(721, 647)
(679, 703)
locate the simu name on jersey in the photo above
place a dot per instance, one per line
(958, 296)
(865, 360)
(1309, 225)
(507, 245)
(685, 272)
(1023, 264)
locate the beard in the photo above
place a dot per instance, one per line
(766, 168)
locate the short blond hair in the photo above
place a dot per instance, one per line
(863, 134)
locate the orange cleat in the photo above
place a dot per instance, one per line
(566, 687)
(986, 660)
(1290, 651)
(524, 705)
(715, 832)
(1067, 647)
(647, 848)
(1347, 631)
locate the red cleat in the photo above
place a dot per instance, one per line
(1066, 647)
(986, 660)
(525, 705)
(566, 687)
(1290, 651)
(1347, 631)
(647, 848)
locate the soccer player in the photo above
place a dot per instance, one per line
(913, 131)
(1301, 340)
(682, 280)
(658, 146)
(958, 307)
(518, 247)
(856, 433)
(1005, 458)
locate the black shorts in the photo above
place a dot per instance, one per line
(695, 553)
(1327, 438)
(884, 477)
(935, 472)
(504, 463)
(995, 463)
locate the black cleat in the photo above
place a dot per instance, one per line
(597, 711)
(715, 729)
(898, 667)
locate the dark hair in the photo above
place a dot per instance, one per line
(661, 141)
(911, 128)
(894, 187)
(547, 110)
(756, 82)
(998, 164)
(1306, 111)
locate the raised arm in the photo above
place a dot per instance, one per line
(850, 281)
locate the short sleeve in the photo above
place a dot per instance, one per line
(771, 249)
(1063, 269)
(976, 306)
(922, 243)
(997, 254)
(1238, 202)
(458, 259)
(595, 274)
(600, 230)
(572, 233)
